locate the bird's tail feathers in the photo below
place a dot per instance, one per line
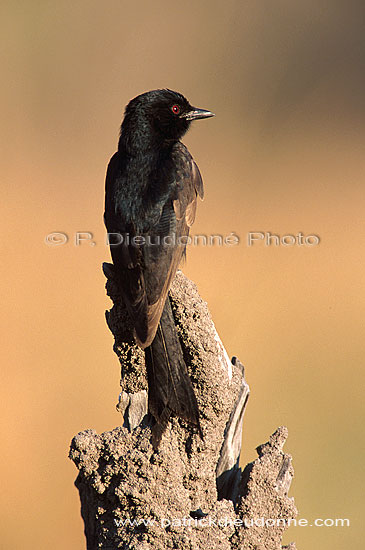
(170, 388)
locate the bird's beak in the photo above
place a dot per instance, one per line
(195, 114)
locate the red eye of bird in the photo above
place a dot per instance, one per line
(175, 109)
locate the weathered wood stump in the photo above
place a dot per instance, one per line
(190, 493)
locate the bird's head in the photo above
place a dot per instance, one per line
(160, 115)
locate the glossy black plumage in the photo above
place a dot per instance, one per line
(152, 185)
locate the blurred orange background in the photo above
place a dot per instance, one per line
(285, 154)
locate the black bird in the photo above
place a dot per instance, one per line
(152, 184)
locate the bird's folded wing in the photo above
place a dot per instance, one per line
(146, 271)
(182, 216)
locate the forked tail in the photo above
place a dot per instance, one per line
(169, 386)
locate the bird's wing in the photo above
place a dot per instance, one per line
(145, 272)
(177, 217)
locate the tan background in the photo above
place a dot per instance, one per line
(284, 154)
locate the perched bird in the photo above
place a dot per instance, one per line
(152, 185)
